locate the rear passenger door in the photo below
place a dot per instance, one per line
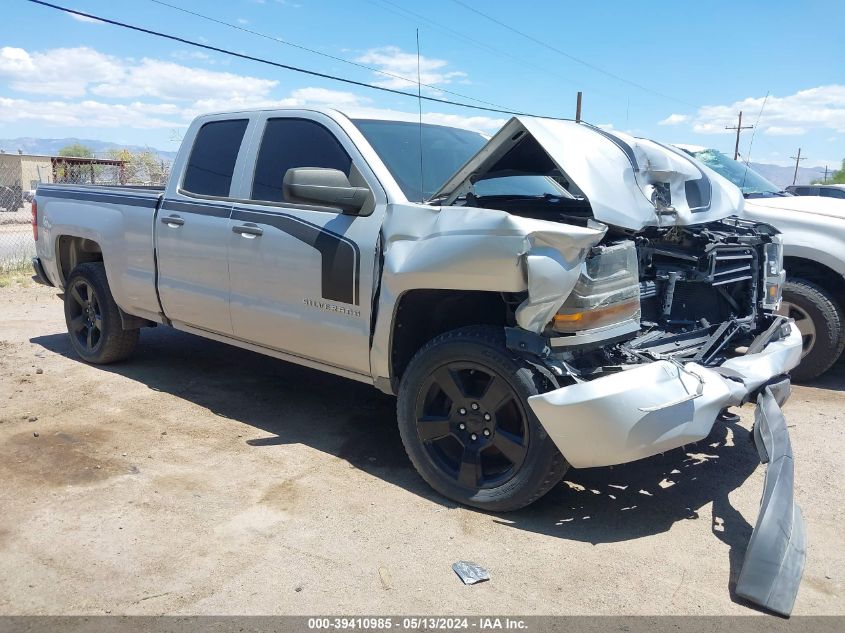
(192, 228)
(302, 276)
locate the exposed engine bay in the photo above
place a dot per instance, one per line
(702, 289)
(703, 292)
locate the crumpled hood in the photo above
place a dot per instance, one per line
(630, 182)
(815, 205)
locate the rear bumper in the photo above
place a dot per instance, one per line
(40, 276)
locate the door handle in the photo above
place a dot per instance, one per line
(173, 221)
(248, 230)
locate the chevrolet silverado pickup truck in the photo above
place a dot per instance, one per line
(813, 236)
(554, 296)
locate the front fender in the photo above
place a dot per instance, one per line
(460, 248)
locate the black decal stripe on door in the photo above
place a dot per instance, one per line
(339, 254)
(95, 196)
(217, 211)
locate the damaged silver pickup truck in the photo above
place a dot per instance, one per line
(556, 295)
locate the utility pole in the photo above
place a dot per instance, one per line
(798, 159)
(825, 174)
(578, 108)
(738, 127)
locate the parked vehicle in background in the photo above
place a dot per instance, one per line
(8, 199)
(558, 295)
(813, 237)
(826, 191)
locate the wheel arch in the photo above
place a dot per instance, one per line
(830, 280)
(422, 314)
(72, 250)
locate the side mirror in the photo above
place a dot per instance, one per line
(323, 187)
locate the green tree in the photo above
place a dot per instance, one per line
(836, 177)
(77, 150)
(141, 168)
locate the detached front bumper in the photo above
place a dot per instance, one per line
(655, 407)
(660, 406)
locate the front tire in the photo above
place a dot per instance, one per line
(93, 318)
(466, 425)
(819, 319)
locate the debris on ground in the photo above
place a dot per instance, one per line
(470, 573)
(384, 577)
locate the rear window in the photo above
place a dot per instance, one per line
(212, 161)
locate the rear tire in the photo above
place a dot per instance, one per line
(466, 425)
(820, 321)
(93, 318)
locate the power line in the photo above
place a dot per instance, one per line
(316, 52)
(268, 62)
(569, 56)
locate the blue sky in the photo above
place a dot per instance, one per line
(694, 66)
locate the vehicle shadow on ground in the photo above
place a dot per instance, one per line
(355, 422)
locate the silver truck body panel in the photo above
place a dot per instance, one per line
(616, 172)
(460, 248)
(121, 222)
(193, 271)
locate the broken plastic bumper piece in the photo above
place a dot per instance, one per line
(655, 407)
(774, 560)
(662, 405)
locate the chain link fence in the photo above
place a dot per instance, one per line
(20, 175)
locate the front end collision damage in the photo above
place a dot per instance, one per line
(625, 416)
(458, 248)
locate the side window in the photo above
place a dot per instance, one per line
(833, 193)
(289, 143)
(212, 161)
(803, 191)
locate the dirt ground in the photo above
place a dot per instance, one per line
(201, 479)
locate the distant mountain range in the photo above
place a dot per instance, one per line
(781, 176)
(51, 146)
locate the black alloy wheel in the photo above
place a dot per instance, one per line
(472, 425)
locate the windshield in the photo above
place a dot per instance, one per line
(519, 185)
(749, 181)
(445, 150)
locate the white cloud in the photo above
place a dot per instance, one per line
(822, 107)
(91, 114)
(393, 60)
(75, 72)
(785, 130)
(168, 80)
(674, 119)
(85, 18)
(65, 72)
